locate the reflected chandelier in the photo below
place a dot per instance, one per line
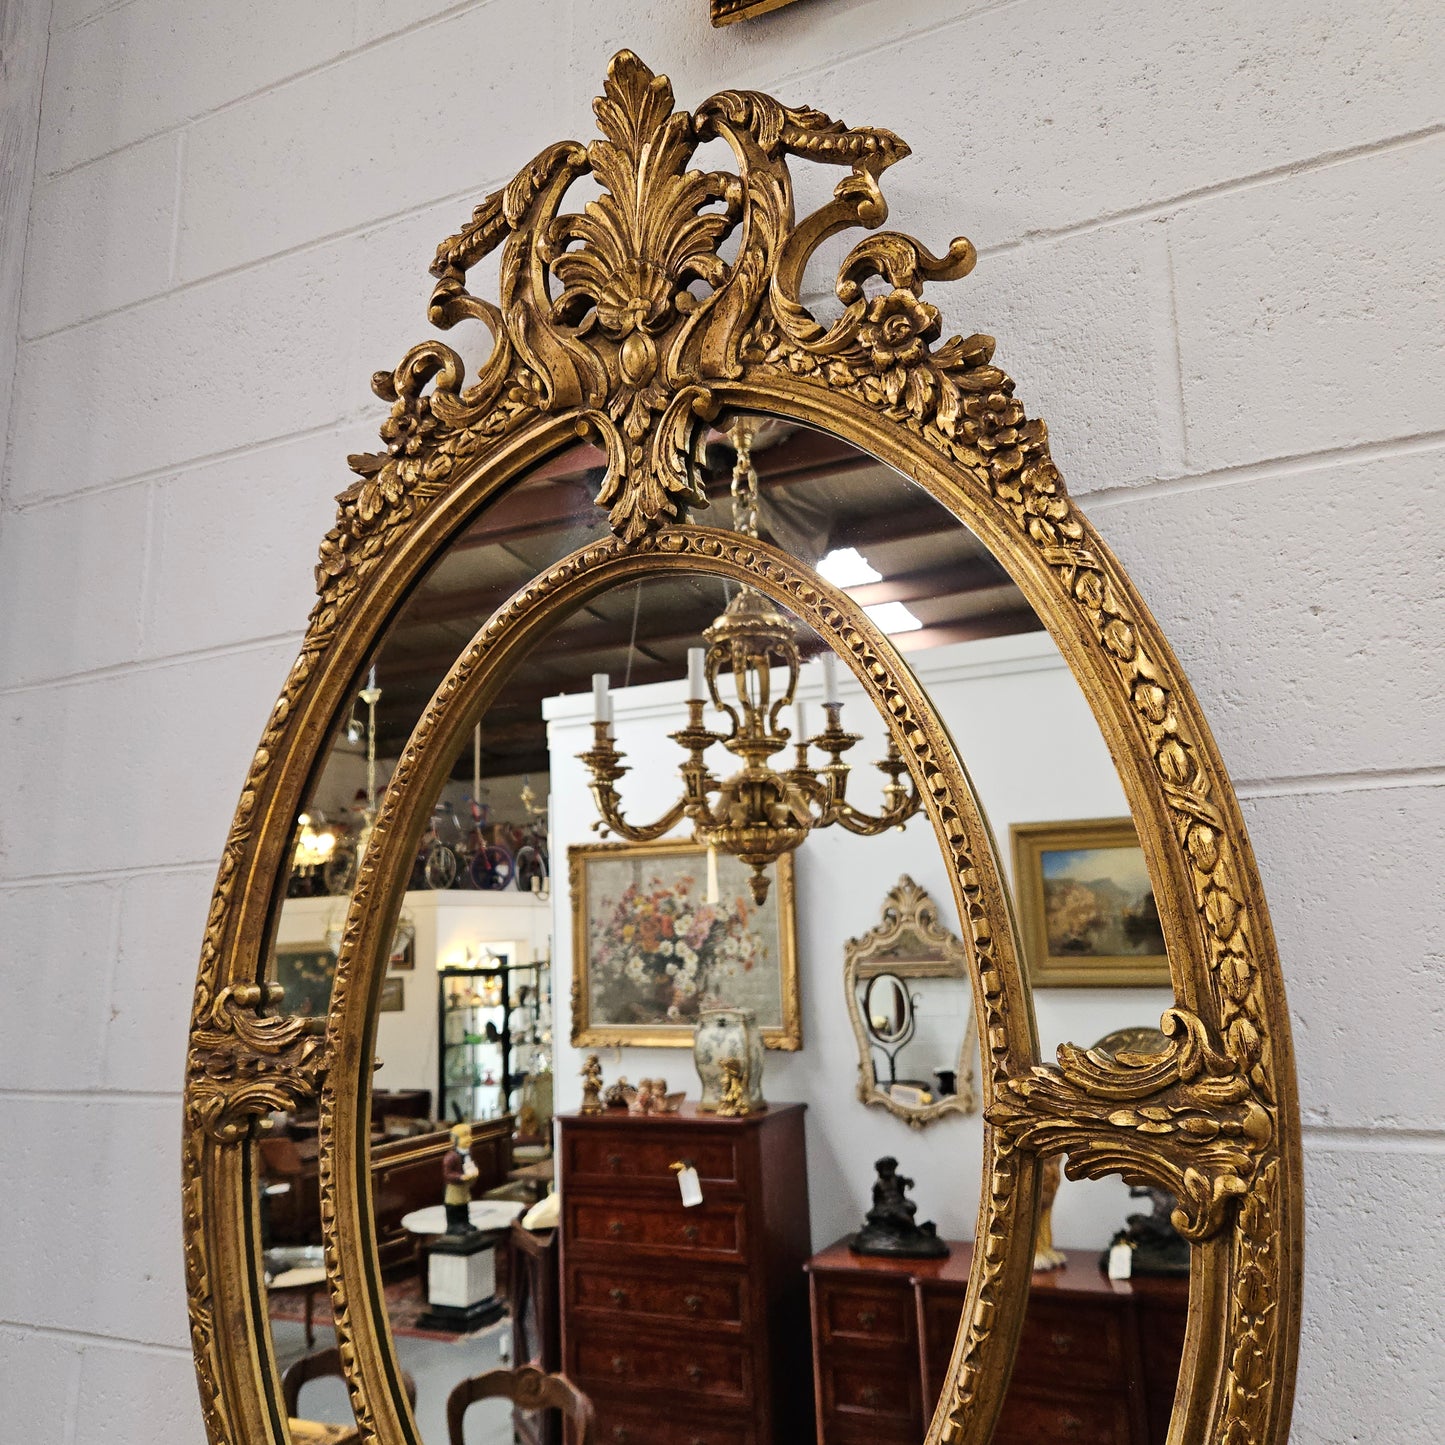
(758, 813)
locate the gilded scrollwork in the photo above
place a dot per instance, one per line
(245, 1062)
(674, 293)
(1186, 1119)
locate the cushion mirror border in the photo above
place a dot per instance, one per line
(1221, 1129)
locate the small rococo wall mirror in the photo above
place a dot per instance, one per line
(906, 981)
(571, 508)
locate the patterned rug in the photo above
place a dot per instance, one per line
(405, 1304)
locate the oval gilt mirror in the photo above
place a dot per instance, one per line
(645, 659)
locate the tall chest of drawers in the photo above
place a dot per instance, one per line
(687, 1325)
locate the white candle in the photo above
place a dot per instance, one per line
(371, 679)
(696, 674)
(601, 703)
(830, 678)
(800, 723)
(712, 891)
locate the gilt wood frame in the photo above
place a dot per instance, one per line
(625, 323)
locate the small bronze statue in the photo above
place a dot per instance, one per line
(890, 1227)
(459, 1169)
(1158, 1247)
(591, 1085)
(733, 1102)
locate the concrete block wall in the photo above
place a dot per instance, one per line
(1210, 247)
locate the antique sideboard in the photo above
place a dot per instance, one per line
(1096, 1364)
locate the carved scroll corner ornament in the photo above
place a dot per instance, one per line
(1186, 1119)
(245, 1062)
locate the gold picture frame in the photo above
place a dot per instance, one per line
(1085, 904)
(674, 872)
(729, 12)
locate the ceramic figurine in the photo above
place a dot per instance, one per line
(1046, 1257)
(641, 1100)
(619, 1095)
(734, 1101)
(723, 1033)
(662, 1101)
(890, 1227)
(591, 1086)
(458, 1171)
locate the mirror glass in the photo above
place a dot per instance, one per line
(504, 1004)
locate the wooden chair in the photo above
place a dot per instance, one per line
(528, 1389)
(317, 1365)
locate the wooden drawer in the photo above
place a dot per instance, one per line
(714, 1230)
(717, 1299)
(1081, 1419)
(1074, 1342)
(864, 1314)
(680, 1364)
(645, 1156)
(942, 1314)
(875, 1386)
(628, 1423)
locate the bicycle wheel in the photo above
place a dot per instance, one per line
(491, 867)
(530, 864)
(441, 866)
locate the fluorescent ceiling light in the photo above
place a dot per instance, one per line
(847, 567)
(892, 617)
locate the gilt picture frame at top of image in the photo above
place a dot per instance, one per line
(1086, 905)
(648, 950)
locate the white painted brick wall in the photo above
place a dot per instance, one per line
(1210, 250)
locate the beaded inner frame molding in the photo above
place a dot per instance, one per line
(625, 324)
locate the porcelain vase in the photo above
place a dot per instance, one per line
(723, 1033)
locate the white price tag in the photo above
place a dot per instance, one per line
(1121, 1262)
(687, 1183)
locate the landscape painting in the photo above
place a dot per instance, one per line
(1086, 904)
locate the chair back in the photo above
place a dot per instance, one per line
(528, 1389)
(315, 1366)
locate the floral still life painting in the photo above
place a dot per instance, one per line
(660, 932)
(1086, 904)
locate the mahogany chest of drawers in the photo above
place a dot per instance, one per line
(1097, 1362)
(687, 1326)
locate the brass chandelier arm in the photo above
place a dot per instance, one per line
(604, 764)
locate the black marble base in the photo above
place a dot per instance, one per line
(462, 1321)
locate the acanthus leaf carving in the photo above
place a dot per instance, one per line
(1187, 1120)
(245, 1062)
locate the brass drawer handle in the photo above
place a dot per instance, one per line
(689, 1233)
(614, 1227)
(614, 1163)
(870, 1394)
(617, 1296)
(1072, 1424)
(693, 1302)
(621, 1434)
(694, 1373)
(867, 1318)
(619, 1364)
(1062, 1342)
